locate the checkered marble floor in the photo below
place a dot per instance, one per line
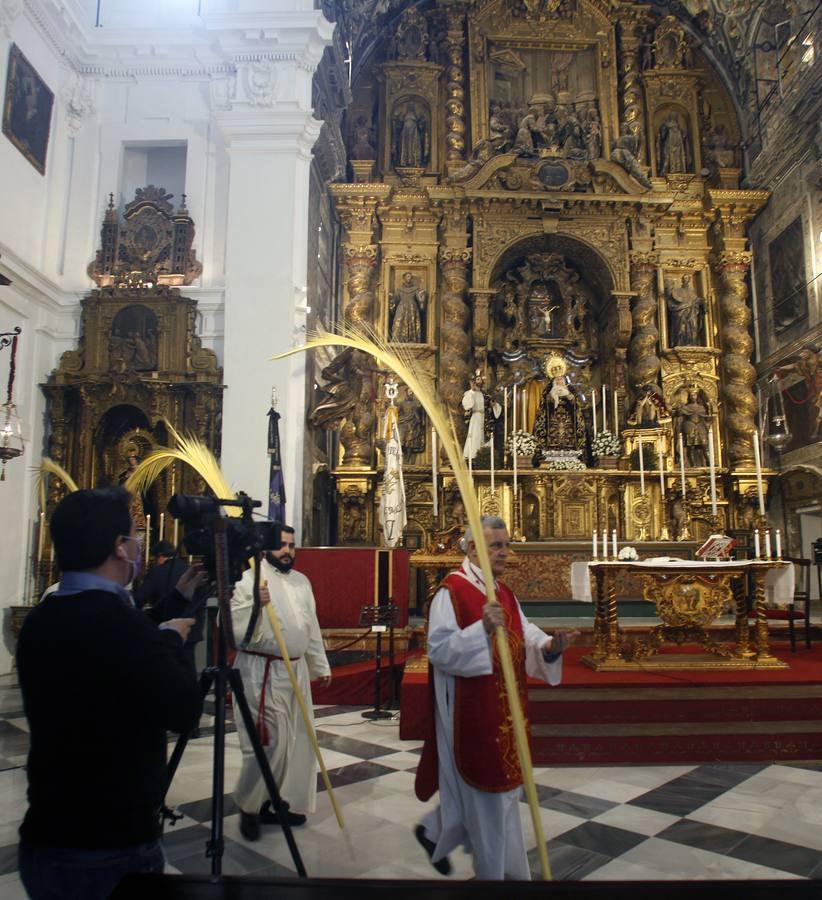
(609, 822)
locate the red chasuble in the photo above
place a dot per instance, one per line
(484, 745)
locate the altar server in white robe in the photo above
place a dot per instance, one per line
(475, 765)
(268, 688)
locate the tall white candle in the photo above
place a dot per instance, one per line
(757, 548)
(594, 408)
(767, 543)
(616, 412)
(504, 422)
(614, 543)
(604, 411)
(758, 460)
(661, 469)
(778, 537)
(594, 545)
(176, 533)
(162, 533)
(524, 400)
(515, 472)
(682, 465)
(492, 466)
(712, 471)
(605, 543)
(41, 536)
(514, 415)
(148, 538)
(434, 473)
(641, 471)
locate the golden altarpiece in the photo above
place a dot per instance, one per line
(547, 192)
(138, 365)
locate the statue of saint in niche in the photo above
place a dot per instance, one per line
(411, 423)
(686, 313)
(410, 138)
(558, 425)
(672, 147)
(407, 306)
(691, 421)
(624, 153)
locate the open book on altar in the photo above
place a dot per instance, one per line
(718, 546)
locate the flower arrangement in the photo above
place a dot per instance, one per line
(628, 554)
(562, 465)
(606, 444)
(521, 443)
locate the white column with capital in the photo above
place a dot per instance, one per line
(264, 114)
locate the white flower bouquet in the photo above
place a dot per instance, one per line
(521, 443)
(628, 554)
(606, 444)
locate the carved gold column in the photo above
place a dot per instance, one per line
(633, 20)
(738, 375)
(645, 363)
(455, 86)
(455, 339)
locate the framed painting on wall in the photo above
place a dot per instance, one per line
(789, 291)
(27, 109)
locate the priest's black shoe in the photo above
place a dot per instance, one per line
(443, 866)
(249, 826)
(269, 817)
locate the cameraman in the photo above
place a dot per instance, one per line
(101, 684)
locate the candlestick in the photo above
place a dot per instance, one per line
(661, 470)
(767, 543)
(778, 537)
(594, 545)
(605, 543)
(682, 464)
(757, 548)
(712, 472)
(614, 543)
(434, 464)
(492, 465)
(604, 411)
(758, 461)
(641, 471)
(594, 409)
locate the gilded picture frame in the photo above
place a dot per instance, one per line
(27, 109)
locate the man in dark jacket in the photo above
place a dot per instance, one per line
(101, 683)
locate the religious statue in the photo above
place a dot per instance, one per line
(593, 134)
(411, 423)
(650, 408)
(136, 506)
(482, 413)
(559, 424)
(692, 421)
(672, 147)
(411, 139)
(407, 306)
(362, 148)
(686, 311)
(624, 153)
(524, 141)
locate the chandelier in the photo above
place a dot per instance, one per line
(778, 433)
(11, 431)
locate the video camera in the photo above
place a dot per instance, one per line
(244, 537)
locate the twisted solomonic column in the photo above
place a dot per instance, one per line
(632, 25)
(645, 363)
(738, 375)
(455, 339)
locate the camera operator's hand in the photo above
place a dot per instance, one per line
(181, 626)
(194, 577)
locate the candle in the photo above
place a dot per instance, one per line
(767, 543)
(712, 472)
(641, 471)
(514, 415)
(41, 536)
(758, 461)
(604, 411)
(594, 545)
(515, 471)
(778, 537)
(504, 422)
(524, 400)
(492, 465)
(594, 408)
(148, 538)
(176, 538)
(162, 533)
(682, 465)
(661, 470)
(614, 543)
(434, 464)
(616, 412)
(757, 548)
(605, 543)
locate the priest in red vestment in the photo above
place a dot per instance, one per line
(471, 756)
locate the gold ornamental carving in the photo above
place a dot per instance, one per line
(645, 364)
(455, 339)
(687, 600)
(455, 85)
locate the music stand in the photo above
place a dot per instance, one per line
(380, 619)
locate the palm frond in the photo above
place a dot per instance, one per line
(49, 467)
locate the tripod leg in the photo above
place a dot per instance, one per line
(216, 845)
(236, 682)
(378, 678)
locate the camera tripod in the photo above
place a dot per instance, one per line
(223, 678)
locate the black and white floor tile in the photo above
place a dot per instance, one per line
(603, 823)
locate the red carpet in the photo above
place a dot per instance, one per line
(672, 716)
(356, 684)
